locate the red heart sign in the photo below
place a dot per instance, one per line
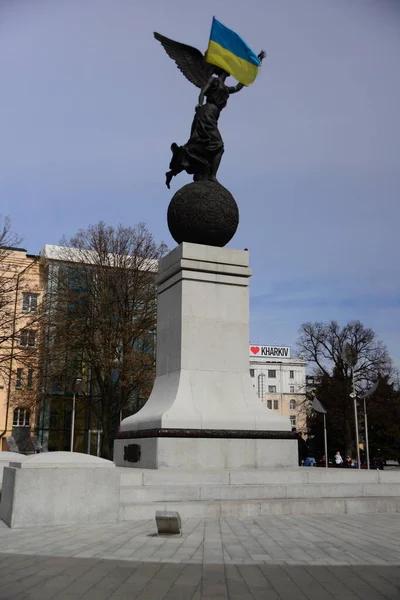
(255, 349)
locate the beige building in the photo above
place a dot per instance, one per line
(280, 381)
(20, 293)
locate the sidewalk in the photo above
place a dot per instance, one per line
(264, 558)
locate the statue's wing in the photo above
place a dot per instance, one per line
(189, 60)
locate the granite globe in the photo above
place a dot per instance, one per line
(203, 212)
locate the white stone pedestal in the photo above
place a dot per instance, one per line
(203, 409)
(60, 488)
(6, 458)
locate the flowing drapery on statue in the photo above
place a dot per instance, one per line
(202, 153)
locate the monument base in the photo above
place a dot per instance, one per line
(60, 488)
(207, 453)
(203, 411)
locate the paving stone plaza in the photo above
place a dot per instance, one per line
(291, 557)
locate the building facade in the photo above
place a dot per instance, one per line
(38, 379)
(20, 305)
(279, 380)
(81, 293)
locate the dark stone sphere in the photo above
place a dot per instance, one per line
(203, 212)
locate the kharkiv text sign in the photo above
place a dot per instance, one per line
(270, 351)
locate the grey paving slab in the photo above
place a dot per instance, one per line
(339, 539)
(313, 558)
(257, 583)
(149, 581)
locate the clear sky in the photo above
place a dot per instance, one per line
(90, 104)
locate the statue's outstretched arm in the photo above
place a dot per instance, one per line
(236, 88)
(240, 86)
(204, 91)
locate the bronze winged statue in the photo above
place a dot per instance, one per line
(202, 153)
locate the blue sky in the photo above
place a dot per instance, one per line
(90, 104)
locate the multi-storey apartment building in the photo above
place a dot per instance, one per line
(39, 402)
(20, 297)
(87, 293)
(280, 381)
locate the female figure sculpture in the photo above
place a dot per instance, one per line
(202, 153)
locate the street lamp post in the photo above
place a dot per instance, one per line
(366, 395)
(77, 387)
(366, 432)
(350, 358)
(318, 407)
(354, 396)
(326, 444)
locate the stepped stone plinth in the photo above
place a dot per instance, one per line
(203, 412)
(257, 492)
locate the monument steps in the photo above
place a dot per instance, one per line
(177, 493)
(256, 508)
(302, 475)
(240, 493)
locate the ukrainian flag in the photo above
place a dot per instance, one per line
(228, 51)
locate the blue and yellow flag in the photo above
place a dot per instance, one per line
(228, 51)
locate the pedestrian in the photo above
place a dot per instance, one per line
(301, 446)
(310, 458)
(338, 459)
(377, 463)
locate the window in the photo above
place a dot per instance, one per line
(28, 338)
(276, 404)
(293, 421)
(251, 372)
(272, 374)
(29, 302)
(269, 404)
(18, 379)
(261, 386)
(21, 417)
(30, 379)
(291, 389)
(272, 389)
(292, 405)
(291, 374)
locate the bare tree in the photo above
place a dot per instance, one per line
(101, 320)
(322, 345)
(8, 239)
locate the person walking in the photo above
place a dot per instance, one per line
(301, 445)
(338, 459)
(310, 458)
